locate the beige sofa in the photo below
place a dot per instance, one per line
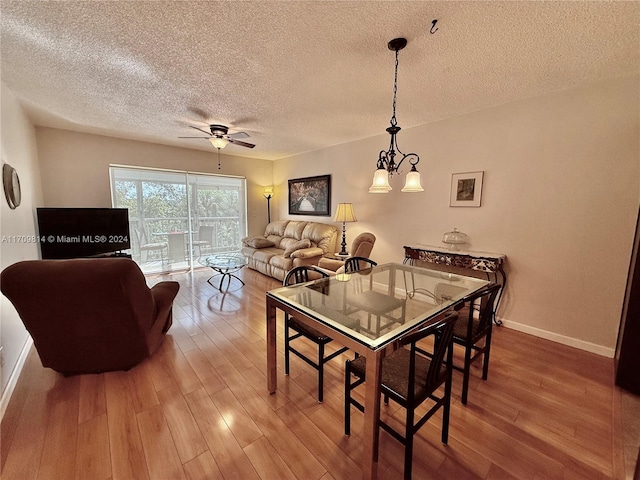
(287, 244)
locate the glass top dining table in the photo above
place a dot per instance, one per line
(367, 311)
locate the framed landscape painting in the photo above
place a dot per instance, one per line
(310, 196)
(466, 189)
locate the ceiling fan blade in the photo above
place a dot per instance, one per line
(206, 138)
(203, 131)
(242, 144)
(239, 135)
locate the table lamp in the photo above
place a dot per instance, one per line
(344, 214)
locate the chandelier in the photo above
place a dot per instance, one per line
(387, 165)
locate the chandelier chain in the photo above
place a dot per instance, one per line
(394, 122)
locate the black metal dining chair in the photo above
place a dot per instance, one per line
(473, 332)
(355, 264)
(376, 304)
(300, 275)
(409, 377)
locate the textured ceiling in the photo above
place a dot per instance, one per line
(298, 76)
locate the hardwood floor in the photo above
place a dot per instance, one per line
(199, 409)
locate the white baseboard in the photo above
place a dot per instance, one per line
(536, 332)
(564, 340)
(13, 379)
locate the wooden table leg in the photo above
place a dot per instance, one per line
(371, 414)
(272, 370)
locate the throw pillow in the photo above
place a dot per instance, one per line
(257, 242)
(299, 245)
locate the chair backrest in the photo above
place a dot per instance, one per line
(205, 232)
(301, 274)
(442, 330)
(481, 305)
(141, 235)
(355, 264)
(79, 311)
(363, 244)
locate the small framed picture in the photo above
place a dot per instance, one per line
(466, 189)
(310, 196)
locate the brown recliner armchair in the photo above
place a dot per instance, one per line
(361, 247)
(89, 315)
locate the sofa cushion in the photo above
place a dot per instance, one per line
(321, 234)
(282, 263)
(294, 230)
(276, 239)
(265, 255)
(299, 245)
(276, 228)
(330, 264)
(311, 252)
(257, 242)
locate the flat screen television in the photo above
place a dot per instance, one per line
(82, 232)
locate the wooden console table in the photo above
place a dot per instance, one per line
(489, 263)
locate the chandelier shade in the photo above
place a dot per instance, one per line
(380, 182)
(412, 182)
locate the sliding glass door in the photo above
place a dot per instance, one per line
(176, 217)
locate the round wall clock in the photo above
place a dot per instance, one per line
(11, 184)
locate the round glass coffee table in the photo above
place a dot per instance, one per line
(224, 265)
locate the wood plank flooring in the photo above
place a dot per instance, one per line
(199, 409)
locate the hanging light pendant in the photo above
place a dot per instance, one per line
(387, 165)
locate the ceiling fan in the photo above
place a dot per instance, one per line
(219, 136)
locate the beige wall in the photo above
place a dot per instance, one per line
(17, 226)
(76, 168)
(560, 199)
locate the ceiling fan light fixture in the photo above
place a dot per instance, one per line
(218, 142)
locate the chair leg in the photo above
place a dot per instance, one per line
(465, 373)
(286, 344)
(347, 399)
(408, 446)
(485, 360)
(320, 372)
(446, 409)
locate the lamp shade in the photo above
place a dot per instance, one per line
(412, 182)
(218, 142)
(380, 182)
(345, 213)
(268, 190)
